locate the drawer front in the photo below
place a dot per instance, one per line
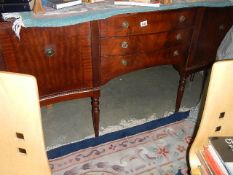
(60, 58)
(144, 43)
(148, 22)
(113, 66)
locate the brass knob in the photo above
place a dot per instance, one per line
(178, 36)
(182, 18)
(125, 25)
(49, 52)
(124, 62)
(176, 53)
(124, 44)
(221, 27)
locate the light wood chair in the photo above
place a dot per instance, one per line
(217, 115)
(22, 143)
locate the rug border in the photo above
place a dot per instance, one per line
(91, 142)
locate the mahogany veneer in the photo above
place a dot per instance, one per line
(160, 21)
(74, 61)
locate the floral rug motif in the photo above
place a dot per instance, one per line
(157, 151)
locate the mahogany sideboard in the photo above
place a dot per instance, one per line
(74, 61)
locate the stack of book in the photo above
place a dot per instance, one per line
(14, 6)
(149, 3)
(217, 157)
(58, 4)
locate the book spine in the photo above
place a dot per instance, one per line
(137, 4)
(202, 170)
(14, 1)
(217, 158)
(63, 5)
(5, 8)
(211, 162)
(50, 4)
(204, 164)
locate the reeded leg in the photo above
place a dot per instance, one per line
(180, 92)
(95, 114)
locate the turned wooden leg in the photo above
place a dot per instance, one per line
(180, 92)
(95, 114)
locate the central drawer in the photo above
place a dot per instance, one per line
(147, 22)
(144, 43)
(136, 41)
(113, 66)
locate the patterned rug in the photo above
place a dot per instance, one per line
(154, 148)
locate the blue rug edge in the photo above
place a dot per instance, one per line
(91, 142)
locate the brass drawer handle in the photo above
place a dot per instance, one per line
(49, 52)
(221, 27)
(125, 25)
(175, 53)
(124, 44)
(124, 62)
(182, 18)
(178, 36)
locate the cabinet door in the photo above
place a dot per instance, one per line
(60, 57)
(215, 24)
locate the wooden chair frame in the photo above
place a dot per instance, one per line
(217, 115)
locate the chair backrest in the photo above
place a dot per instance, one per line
(21, 134)
(217, 116)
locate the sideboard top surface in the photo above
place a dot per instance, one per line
(103, 10)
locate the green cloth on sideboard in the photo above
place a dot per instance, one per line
(102, 10)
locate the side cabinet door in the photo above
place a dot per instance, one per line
(215, 24)
(60, 57)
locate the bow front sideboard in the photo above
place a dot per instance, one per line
(75, 61)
